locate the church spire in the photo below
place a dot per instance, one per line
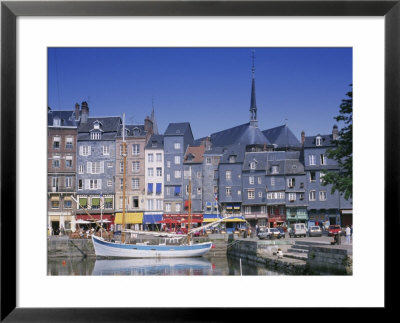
(253, 106)
(153, 118)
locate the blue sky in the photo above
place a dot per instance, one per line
(208, 87)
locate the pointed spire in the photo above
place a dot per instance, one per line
(253, 106)
(153, 118)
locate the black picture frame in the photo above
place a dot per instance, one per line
(10, 10)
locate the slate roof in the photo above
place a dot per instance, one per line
(326, 141)
(282, 136)
(237, 150)
(140, 132)
(110, 127)
(177, 129)
(67, 118)
(243, 134)
(155, 142)
(194, 154)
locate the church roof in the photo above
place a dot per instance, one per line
(282, 137)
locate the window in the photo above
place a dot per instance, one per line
(252, 165)
(301, 196)
(177, 145)
(275, 195)
(168, 163)
(159, 171)
(135, 183)
(250, 194)
(177, 207)
(121, 167)
(80, 184)
(109, 164)
(135, 149)
(95, 167)
(311, 159)
(121, 183)
(108, 203)
(158, 157)
(68, 161)
(292, 196)
(291, 182)
(232, 159)
(275, 169)
(168, 207)
(259, 194)
(215, 189)
(55, 204)
(69, 143)
(272, 181)
(95, 184)
(56, 162)
(322, 195)
(322, 159)
(199, 190)
(239, 192)
(80, 169)
(95, 135)
(56, 122)
(177, 174)
(109, 182)
(312, 177)
(106, 150)
(150, 172)
(67, 204)
(228, 191)
(208, 161)
(135, 201)
(247, 210)
(83, 203)
(177, 160)
(56, 142)
(150, 204)
(159, 204)
(228, 175)
(68, 181)
(187, 189)
(321, 177)
(318, 141)
(168, 177)
(259, 180)
(135, 167)
(84, 150)
(150, 158)
(312, 196)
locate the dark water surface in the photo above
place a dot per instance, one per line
(199, 266)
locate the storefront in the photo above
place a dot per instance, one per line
(180, 222)
(107, 218)
(296, 215)
(152, 221)
(276, 221)
(346, 217)
(133, 220)
(234, 223)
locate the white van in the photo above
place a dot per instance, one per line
(298, 230)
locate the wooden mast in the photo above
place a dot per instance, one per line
(124, 179)
(189, 209)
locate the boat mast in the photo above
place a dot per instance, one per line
(189, 209)
(124, 179)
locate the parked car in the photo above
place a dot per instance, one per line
(334, 229)
(282, 233)
(314, 231)
(298, 230)
(268, 233)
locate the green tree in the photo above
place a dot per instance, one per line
(342, 180)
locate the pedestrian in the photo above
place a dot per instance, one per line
(348, 235)
(257, 229)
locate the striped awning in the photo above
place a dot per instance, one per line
(130, 218)
(235, 219)
(208, 218)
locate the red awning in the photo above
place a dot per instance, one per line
(86, 217)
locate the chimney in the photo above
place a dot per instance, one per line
(148, 125)
(265, 146)
(84, 112)
(303, 138)
(335, 132)
(76, 111)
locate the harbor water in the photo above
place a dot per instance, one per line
(199, 266)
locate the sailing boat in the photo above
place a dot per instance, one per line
(121, 249)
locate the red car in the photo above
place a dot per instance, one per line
(334, 229)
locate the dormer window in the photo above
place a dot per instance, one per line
(96, 125)
(136, 131)
(275, 169)
(318, 141)
(232, 158)
(253, 165)
(95, 135)
(56, 122)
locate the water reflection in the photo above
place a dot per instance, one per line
(201, 266)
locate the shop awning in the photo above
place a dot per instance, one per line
(211, 217)
(130, 218)
(229, 206)
(235, 219)
(150, 188)
(208, 205)
(237, 207)
(158, 188)
(55, 198)
(215, 205)
(152, 218)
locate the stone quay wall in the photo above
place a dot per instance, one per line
(71, 248)
(332, 260)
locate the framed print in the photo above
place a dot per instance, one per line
(370, 28)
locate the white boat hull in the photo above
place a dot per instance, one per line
(119, 250)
